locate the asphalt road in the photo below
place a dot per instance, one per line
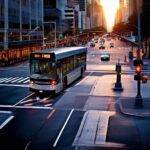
(52, 123)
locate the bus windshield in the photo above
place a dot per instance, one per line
(43, 68)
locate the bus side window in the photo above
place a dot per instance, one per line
(58, 74)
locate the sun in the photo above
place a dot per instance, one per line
(110, 8)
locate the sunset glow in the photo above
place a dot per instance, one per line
(110, 8)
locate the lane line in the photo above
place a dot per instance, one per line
(60, 133)
(23, 99)
(47, 105)
(6, 112)
(26, 107)
(26, 147)
(6, 122)
(51, 113)
(23, 102)
(16, 85)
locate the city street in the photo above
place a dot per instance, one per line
(54, 123)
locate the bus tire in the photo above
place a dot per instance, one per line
(82, 70)
(65, 83)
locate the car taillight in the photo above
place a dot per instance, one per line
(53, 82)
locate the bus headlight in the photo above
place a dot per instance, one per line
(31, 83)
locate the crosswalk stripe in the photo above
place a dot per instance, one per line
(11, 80)
(23, 80)
(2, 79)
(16, 80)
(26, 81)
(8, 79)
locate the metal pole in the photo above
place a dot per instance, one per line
(139, 24)
(138, 99)
(6, 25)
(43, 24)
(55, 35)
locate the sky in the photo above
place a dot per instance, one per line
(110, 8)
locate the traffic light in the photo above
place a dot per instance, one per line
(137, 62)
(138, 69)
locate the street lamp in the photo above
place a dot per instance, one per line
(52, 22)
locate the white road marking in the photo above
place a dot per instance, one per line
(2, 79)
(16, 80)
(27, 81)
(51, 113)
(6, 112)
(10, 80)
(23, 79)
(26, 107)
(26, 148)
(33, 107)
(7, 79)
(60, 133)
(6, 121)
(23, 102)
(47, 105)
(17, 85)
(23, 99)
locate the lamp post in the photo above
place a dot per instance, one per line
(52, 22)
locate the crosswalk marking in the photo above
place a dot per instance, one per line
(23, 79)
(8, 79)
(2, 79)
(26, 81)
(14, 80)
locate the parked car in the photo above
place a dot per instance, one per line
(111, 45)
(92, 44)
(105, 56)
(101, 46)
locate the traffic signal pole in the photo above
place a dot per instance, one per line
(139, 63)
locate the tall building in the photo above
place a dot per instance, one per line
(20, 23)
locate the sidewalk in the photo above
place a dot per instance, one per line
(127, 107)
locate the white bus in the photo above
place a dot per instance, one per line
(51, 70)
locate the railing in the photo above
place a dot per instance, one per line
(10, 56)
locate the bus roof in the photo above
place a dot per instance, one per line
(63, 52)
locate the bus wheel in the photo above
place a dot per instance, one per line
(53, 94)
(82, 72)
(65, 83)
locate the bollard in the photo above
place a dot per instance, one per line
(118, 84)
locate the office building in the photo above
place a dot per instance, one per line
(20, 23)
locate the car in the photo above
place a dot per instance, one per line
(101, 46)
(111, 45)
(92, 44)
(105, 56)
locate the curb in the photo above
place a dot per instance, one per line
(129, 114)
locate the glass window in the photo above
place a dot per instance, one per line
(43, 68)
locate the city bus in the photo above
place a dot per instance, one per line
(52, 70)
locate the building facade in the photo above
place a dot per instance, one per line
(20, 23)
